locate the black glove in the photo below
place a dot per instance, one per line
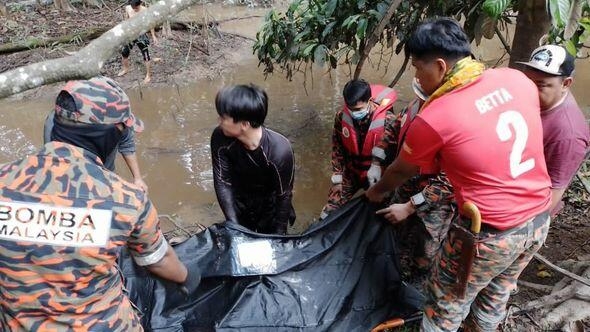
(193, 279)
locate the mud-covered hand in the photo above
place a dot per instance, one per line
(397, 212)
(374, 174)
(193, 279)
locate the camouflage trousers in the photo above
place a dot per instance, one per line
(342, 193)
(500, 259)
(432, 224)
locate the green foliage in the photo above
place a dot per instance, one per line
(336, 31)
(318, 31)
(570, 20)
(495, 8)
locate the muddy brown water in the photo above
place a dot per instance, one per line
(174, 153)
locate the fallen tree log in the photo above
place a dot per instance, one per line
(31, 3)
(89, 60)
(32, 42)
(86, 36)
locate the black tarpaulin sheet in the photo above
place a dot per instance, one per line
(340, 275)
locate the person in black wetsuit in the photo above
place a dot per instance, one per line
(253, 166)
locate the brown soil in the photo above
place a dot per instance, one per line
(182, 57)
(183, 62)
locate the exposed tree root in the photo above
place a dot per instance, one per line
(543, 288)
(569, 300)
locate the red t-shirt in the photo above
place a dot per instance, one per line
(487, 137)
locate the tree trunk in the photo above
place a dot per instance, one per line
(64, 5)
(33, 42)
(88, 61)
(531, 24)
(375, 36)
(3, 9)
(167, 29)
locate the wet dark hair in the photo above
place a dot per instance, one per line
(438, 38)
(355, 91)
(243, 103)
(134, 3)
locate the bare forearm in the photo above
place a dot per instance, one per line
(131, 161)
(556, 195)
(169, 267)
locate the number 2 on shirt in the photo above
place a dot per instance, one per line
(521, 132)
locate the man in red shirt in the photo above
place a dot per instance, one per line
(483, 128)
(566, 136)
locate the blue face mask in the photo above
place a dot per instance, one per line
(358, 115)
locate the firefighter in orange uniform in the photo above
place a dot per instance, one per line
(358, 128)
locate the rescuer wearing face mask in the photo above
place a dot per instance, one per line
(64, 218)
(358, 127)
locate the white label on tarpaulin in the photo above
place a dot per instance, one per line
(257, 256)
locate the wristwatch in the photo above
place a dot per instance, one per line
(418, 200)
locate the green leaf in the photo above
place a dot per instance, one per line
(375, 13)
(355, 58)
(559, 10)
(319, 55)
(382, 8)
(361, 29)
(328, 29)
(330, 7)
(495, 8)
(570, 47)
(301, 35)
(574, 16)
(307, 50)
(349, 20)
(293, 7)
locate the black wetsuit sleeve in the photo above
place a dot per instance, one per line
(222, 174)
(283, 164)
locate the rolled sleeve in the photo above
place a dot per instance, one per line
(146, 242)
(127, 144)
